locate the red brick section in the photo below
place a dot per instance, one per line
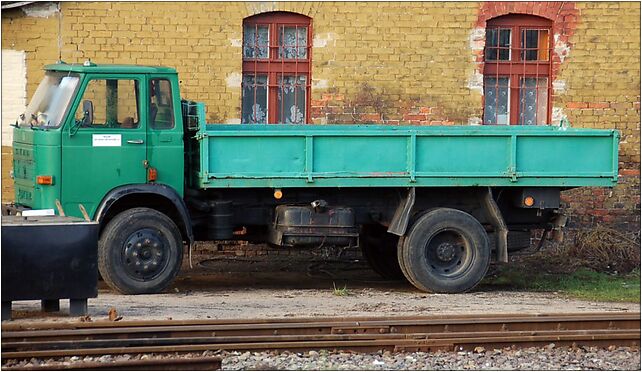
(602, 105)
(618, 208)
(564, 15)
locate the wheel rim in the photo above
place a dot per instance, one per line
(449, 254)
(145, 254)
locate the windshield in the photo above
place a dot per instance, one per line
(51, 100)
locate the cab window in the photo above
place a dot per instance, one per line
(114, 101)
(161, 112)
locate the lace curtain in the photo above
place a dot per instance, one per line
(496, 99)
(254, 105)
(533, 101)
(291, 99)
(255, 41)
(293, 42)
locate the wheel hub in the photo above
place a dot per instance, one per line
(446, 251)
(144, 254)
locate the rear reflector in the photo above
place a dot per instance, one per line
(44, 180)
(152, 174)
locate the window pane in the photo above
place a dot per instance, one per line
(533, 101)
(254, 106)
(51, 100)
(496, 100)
(497, 44)
(291, 99)
(534, 45)
(256, 41)
(161, 115)
(293, 42)
(114, 103)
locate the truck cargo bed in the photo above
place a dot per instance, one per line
(400, 156)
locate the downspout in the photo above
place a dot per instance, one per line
(59, 31)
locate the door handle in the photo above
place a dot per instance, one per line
(136, 142)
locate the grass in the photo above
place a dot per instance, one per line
(340, 291)
(583, 283)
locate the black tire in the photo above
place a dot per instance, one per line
(445, 251)
(402, 265)
(140, 251)
(380, 250)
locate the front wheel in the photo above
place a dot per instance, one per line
(140, 251)
(445, 251)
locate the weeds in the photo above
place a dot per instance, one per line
(600, 264)
(606, 250)
(340, 291)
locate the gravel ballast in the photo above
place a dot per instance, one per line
(548, 358)
(544, 358)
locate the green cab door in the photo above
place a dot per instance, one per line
(165, 131)
(108, 151)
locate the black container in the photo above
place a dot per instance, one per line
(220, 222)
(48, 259)
(305, 226)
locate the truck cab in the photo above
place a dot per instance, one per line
(98, 128)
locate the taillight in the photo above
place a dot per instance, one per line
(44, 180)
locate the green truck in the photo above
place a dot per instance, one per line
(433, 205)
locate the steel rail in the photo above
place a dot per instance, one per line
(453, 344)
(416, 325)
(166, 364)
(198, 322)
(135, 342)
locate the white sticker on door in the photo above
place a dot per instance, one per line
(106, 140)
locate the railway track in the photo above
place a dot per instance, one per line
(366, 334)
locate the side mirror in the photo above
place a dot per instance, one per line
(88, 110)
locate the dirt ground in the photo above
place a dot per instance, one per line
(241, 288)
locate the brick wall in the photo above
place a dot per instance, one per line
(602, 90)
(393, 63)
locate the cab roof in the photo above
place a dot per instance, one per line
(109, 69)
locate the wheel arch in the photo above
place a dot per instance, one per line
(160, 197)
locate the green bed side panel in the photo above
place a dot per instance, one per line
(370, 155)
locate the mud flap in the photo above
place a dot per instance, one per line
(497, 220)
(401, 218)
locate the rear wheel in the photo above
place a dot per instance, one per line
(380, 250)
(445, 251)
(140, 251)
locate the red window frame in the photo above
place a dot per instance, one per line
(516, 67)
(274, 66)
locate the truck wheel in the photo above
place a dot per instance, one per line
(445, 251)
(380, 250)
(402, 265)
(140, 251)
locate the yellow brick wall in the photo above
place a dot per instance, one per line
(602, 74)
(391, 46)
(602, 79)
(415, 61)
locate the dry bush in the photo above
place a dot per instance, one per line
(606, 250)
(600, 249)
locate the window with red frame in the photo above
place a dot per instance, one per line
(517, 70)
(276, 69)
